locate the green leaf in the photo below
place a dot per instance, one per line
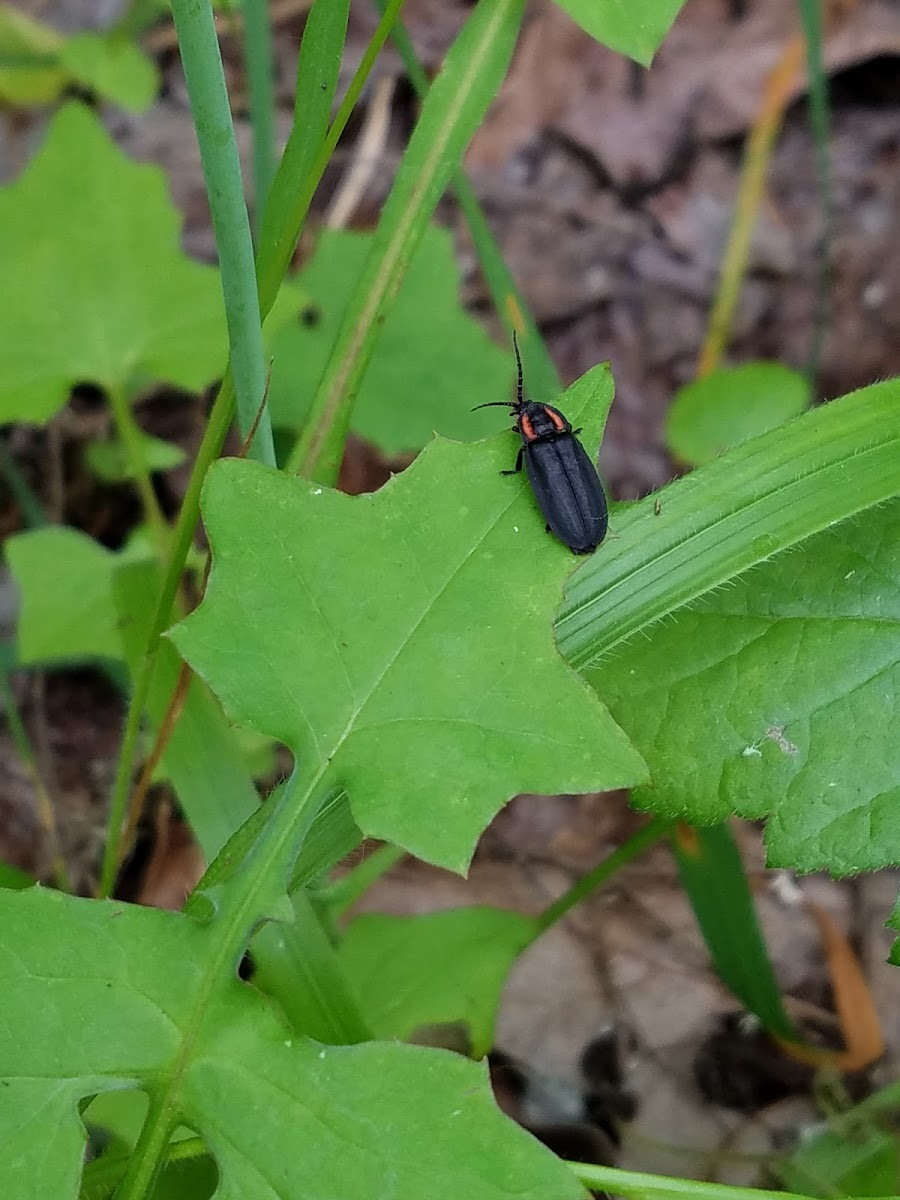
(431, 364)
(703, 530)
(65, 580)
(769, 699)
(729, 406)
(113, 66)
(37, 64)
(384, 638)
(438, 968)
(633, 27)
(109, 460)
(95, 284)
(148, 992)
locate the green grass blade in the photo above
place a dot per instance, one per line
(300, 169)
(543, 381)
(763, 496)
(297, 963)
(259, 63)
(811, 19)
(713, 876)
(211, 111)
(455, 106)
(21, 490)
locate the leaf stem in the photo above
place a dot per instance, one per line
(149, 1154)
(130, 433)
(213, 437)
(46, 811)
(339, 896)
(653, 832)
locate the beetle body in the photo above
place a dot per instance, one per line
(563, 478)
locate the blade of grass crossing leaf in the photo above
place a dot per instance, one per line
(225, 188)
(543, 381)
(455, 106)
(811, 19)
(297, 963)
(643, 1186)
(761, 497)
(712, 874)
(260, 77)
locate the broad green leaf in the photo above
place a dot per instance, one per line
(438, 968)
(113, 66)
(65, 581)
(37, 64)
(729, 406)
(774, 698)
(432, 362)
(633, 27)
(115, 996)
(109, 460)
(700, 532)
(95, 284)
(29, 65)
(384, 638)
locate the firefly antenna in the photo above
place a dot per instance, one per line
(519, 392)
(519, 400)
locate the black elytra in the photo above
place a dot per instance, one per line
(563, 478)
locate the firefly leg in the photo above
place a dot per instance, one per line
(518, 466)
